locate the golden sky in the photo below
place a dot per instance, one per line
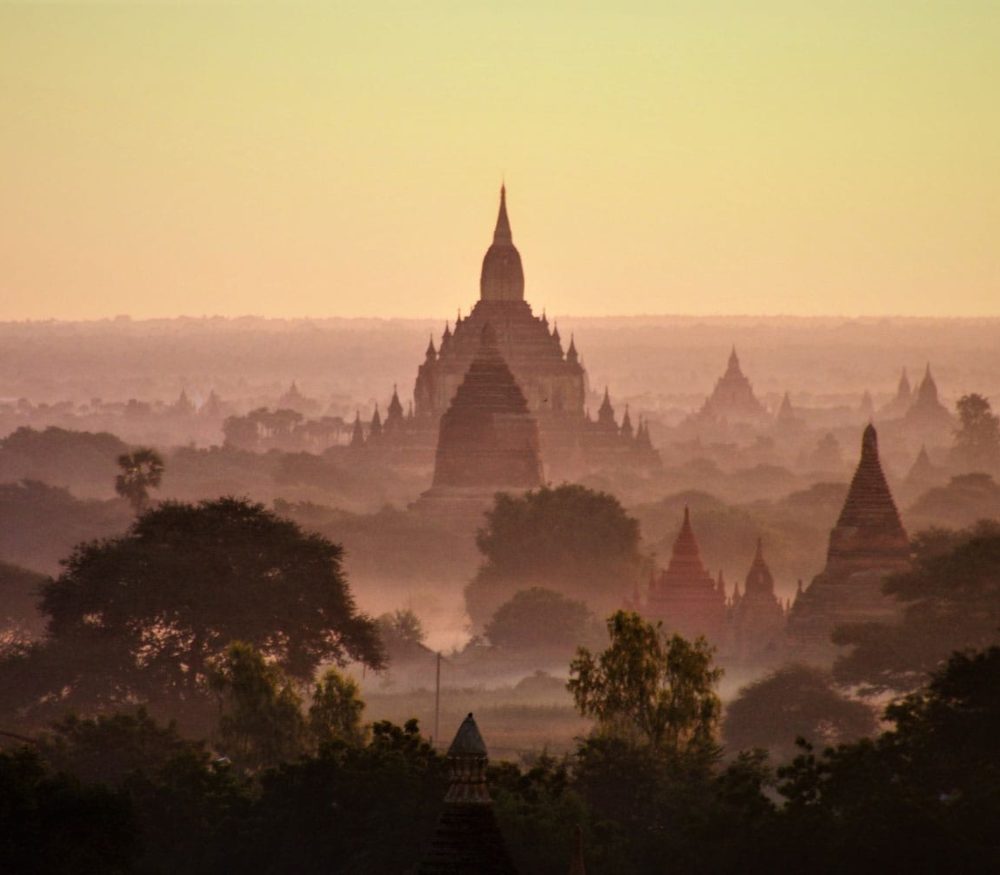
(319, 159)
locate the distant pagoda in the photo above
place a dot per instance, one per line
(758, 617)
(902, 400)
(867, 543)
(684, 596)
(927, 413)
(467, 840)
(732, 399)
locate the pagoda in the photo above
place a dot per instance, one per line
(684, 596)
(467, 840)
(554, 384)
(758, 618)
(733, 399)
(927, 413)
(902, 400)
(488, 439)
(867, 543)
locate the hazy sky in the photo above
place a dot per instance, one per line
(344, 159)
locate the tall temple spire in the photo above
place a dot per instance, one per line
(869, 525)
(502, 277)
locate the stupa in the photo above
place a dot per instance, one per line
(758, 618)
(487, 440)
(467, 840)
(732, 399)
(902, 400)
(927, 413)
(684, 596)
(867, 543)
(553, 384)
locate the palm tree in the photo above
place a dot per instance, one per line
(142, 470)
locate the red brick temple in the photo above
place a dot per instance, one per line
(867, 543)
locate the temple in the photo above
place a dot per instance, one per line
(487, 440)
(901, 401)
(467, 840)
(758, 619)
(552, 381)
(867, 543)
(927, 415)
(684, 596)
(733, 400)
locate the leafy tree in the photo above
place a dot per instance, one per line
(977, 440)
(53, 824)
(141, 470)
(261, 723)
(569, 539)
(951, 601)
(140, 617)
(649, 686)
(20, 590)
(540, 618)
(335, 712)
(796, 701)
(402, 634)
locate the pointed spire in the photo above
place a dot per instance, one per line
(555, 332)
(358, 433)
(903, 391)
(759, 581)
(733, 366)
(501, 234)
(606, 413)
(626, 427)
(571, 353)
(375, 429)
(431, 353)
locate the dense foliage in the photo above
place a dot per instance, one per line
(569, 539)
(951, 600)
(537, 618)
(141, 617)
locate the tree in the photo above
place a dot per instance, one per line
(570, 539)
(977, 440)
(402, 634)
(649, 686)
(796, 701)
(261, 723)
(141, 470)
(540, 618)
(335, 712)
(951, 600)
(140, 617)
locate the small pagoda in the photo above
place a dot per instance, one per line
(467, 840)
(758, 617)
(685, 597)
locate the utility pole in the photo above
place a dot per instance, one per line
(437, 699)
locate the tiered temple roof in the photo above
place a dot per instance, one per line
(869, 529)
(487, 438)
(733, 398)
(927, 409)
(867, 543)
(551, 382)
(758, 618)
(685, 596)
(467, 840)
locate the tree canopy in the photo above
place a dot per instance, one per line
(140, 617)
(141, 469)
(541, 618)
(977, 440)
(793, 702)
(570, 539)
(650, 687)
(951, 601)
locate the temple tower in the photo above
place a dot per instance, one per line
(732, 399)
(467, 840)
(758, 618)
(684, 596)
(867, 543)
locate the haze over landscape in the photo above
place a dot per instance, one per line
(458, 439)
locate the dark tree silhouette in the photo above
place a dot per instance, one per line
(570, 539)
(952, 602)
(540, 618)
(977, 440)
(796, 701)
(141, 616)
(141, 470)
